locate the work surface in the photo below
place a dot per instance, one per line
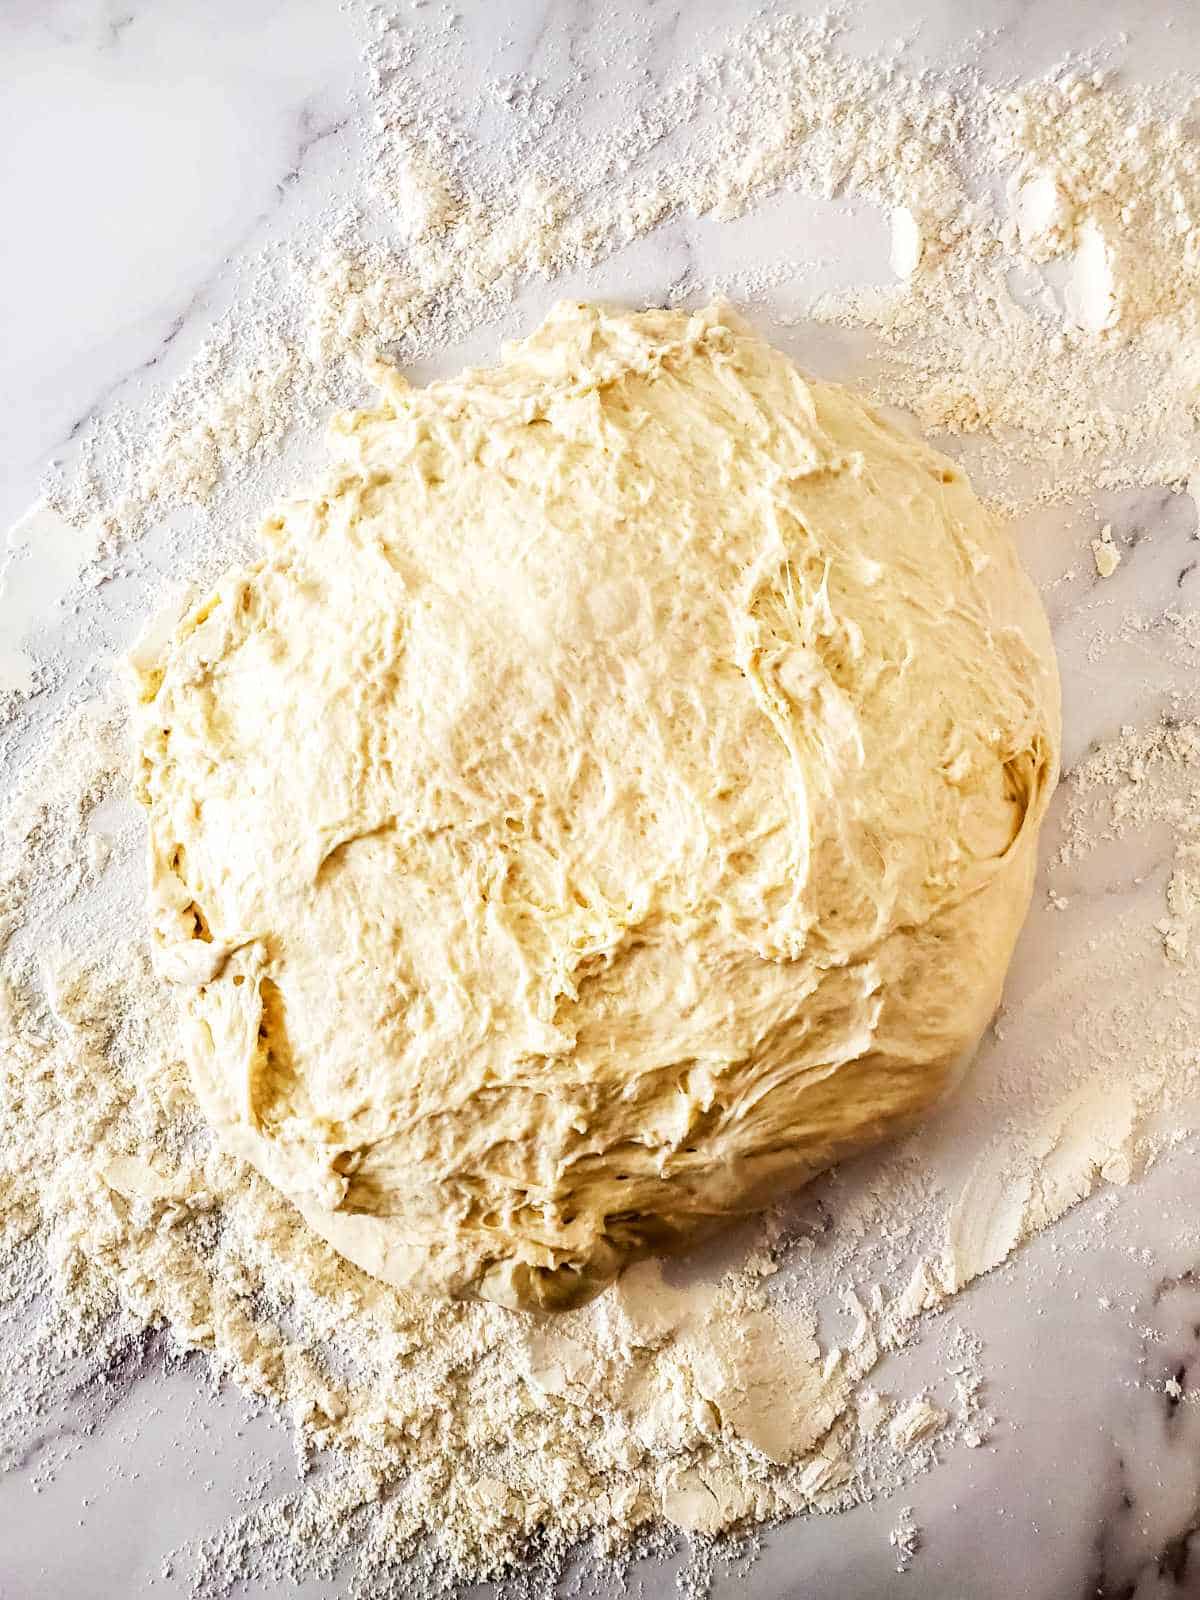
(150, 150)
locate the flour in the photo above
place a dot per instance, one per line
(461, 237)
(1058, 326)
(459, 1432)
(915, 1422)
(905, 1539)
(1147, 776)
(454, 1434)
(1042, 308)
(1047, 239)
(141, 1222)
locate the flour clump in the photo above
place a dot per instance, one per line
(612, 799)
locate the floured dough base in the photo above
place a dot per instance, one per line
(613, 799)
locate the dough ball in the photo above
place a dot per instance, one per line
(612, 799)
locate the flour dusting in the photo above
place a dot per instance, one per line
(1040, 309)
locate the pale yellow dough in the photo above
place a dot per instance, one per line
(613, 799)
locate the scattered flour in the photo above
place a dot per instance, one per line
(1047, 240)
(1045, 243)
(1149, 776)
(453, 1435)
(905, 1539)
(458, 1438)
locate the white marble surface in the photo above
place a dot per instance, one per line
(148, 147)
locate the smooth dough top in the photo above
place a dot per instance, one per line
(612, 799)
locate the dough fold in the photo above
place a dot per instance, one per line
(612, 799)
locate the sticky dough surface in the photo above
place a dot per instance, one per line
(612, 799)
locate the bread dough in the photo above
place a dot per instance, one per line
(612, 799)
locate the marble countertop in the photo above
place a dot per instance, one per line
(148, 148)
